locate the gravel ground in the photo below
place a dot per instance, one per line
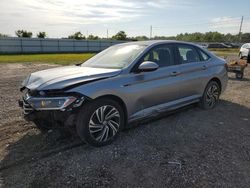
(190, 148)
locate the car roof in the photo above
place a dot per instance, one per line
(155, 42)
(150, 43)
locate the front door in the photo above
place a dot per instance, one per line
(159, 86)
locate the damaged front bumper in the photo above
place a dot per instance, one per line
(59, 108)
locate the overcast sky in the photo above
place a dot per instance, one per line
(60, 18)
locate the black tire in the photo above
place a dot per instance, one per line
(239, 75)
(90, 112)
(210, 96)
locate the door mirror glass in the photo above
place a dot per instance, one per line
(148, 66)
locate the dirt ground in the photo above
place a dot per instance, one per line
(190, 148)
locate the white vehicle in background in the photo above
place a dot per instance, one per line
(244, 50)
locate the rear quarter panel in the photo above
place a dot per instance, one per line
(217, 69)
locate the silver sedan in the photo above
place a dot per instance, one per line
(123, 84)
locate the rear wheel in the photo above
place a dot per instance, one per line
(239, 75)
(211, 95)
(99, 122)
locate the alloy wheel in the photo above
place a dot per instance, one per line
(212, 95)
(104, 123)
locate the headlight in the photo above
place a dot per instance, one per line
(53, 103)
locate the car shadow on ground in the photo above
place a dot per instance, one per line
(35, 146)
(185, 127)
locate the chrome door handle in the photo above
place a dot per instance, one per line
(175, 73)
(204, 67)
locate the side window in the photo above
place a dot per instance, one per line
(204, 56)
(162, 55)
(188, 54)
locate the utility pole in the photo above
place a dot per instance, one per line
(107, 33)
(240, 28)
(151, 30)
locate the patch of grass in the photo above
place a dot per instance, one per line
(63, 59)
(225, 52)
(224, 49)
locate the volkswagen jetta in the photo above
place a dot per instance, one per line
(123, 84)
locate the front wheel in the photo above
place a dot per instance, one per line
(99, 122)
(210, 96)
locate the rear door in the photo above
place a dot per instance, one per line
(193, 69)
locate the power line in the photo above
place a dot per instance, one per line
(230, 23)
(199, 23)
(233, 20)
(227, 22)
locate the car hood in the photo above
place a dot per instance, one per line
(61, 77)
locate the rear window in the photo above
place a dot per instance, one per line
(188, 54)
(204, 56)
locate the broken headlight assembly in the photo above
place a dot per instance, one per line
(53, 103)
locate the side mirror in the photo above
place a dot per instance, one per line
(148, 66)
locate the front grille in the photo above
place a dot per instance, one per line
(27, 109)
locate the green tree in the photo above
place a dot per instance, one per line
(121, 35)
(160, 38)
(228, 37)
(78, 36)
(92, 37)
(217, 37)
(41, 35)
(245, 37)
(196, 37)
(24, 33)
(208, 37)
(139, 38)
(179, 37)
(3, 35)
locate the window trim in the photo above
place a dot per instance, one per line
(134, 69)
(188, 45)
(196, 48)
(199, 50)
